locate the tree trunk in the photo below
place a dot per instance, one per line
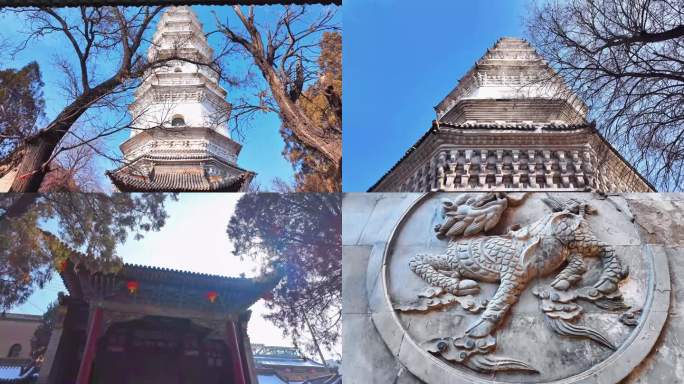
(329, 145)
(315, 340)
(31, 171)
(39, 148)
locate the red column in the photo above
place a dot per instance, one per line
(233, 340)
(94, 330)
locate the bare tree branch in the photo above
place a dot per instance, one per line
(625, 60)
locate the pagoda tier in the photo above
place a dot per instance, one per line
(179, 134)
(511, 124)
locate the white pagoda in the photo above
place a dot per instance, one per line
(179, 135)
(511, 124)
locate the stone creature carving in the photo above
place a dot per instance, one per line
(560, 240)
(471, 214)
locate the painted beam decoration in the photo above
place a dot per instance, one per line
(500, 286)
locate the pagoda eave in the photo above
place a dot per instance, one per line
(505, 136)
(126, 181)
(180, 134)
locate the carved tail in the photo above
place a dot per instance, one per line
(585, 243)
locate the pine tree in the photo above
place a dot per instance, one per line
(38, 231)
(21, 105)
(300, 233)
(321, 102)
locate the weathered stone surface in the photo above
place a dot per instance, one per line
(355, 260)
(665, 364)
(523, 335)
(659, 221)
(373, 363)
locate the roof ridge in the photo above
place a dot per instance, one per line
(181, 271)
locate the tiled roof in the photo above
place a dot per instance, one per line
(20, 317)
(166, 275)
(175, 182)
(172, 276)
(283, 361)
(148, 273)
(75, 3)
(332, 379)
(14, 375)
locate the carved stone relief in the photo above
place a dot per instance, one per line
(517, 288)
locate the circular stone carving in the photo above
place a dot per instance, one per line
(523, 334)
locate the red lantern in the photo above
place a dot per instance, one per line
(62, 265)
(132, 286)
(211, 296)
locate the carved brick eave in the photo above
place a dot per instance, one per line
(144, 93)
(622, 169)
(470, 137)
(180, 133)
(528, 110)
(556, 146)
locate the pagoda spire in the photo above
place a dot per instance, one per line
(511, 83)
(180, 29)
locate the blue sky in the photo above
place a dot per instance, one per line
(194, 239)
(262, 144)
(400, 59)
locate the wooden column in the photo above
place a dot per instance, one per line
(233, 341)
(94, 330)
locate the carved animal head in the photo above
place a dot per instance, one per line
(471, 214)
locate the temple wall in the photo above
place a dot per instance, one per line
(17, 329)
(647, 231)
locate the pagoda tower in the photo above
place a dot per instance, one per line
(179, 135)
(511, 124)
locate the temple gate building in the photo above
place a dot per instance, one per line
(511, 124)
(151, 325)
(179, 137)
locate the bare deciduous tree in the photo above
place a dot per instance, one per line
(98, 32)
(95, 35)
(286, 55)
(74, 169)
(626, 60)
